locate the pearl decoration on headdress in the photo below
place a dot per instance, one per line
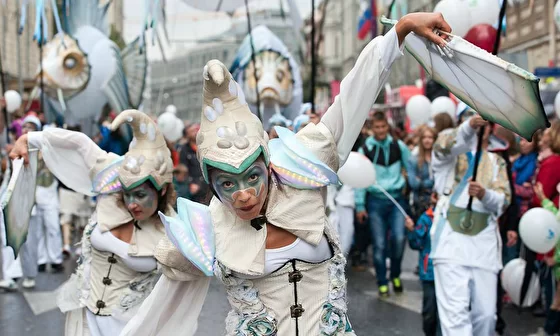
(133, 165)
(151, 132)
(132, 143)
(218, 106)
(241, 95)
(232, 88)
(212, 113)
(229, 138)
(143, 128)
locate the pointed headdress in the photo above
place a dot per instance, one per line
(230, 138)
(148, 158)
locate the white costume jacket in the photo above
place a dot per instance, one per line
(298, 297)
(452, 162)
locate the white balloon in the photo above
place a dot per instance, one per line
(483, 11)
(170, 126)
(455, 12)
(13, 100)
(539, 230)
(443, 105)
(557, 14)
(418, 110)
(171, 109)
(557, 102)
(357, 172)
(512, 280)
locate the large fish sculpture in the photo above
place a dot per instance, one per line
(84, 71)
(278, 78)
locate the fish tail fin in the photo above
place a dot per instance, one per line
(135, 66)
(80, 13)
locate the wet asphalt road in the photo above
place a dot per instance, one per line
(34, 313)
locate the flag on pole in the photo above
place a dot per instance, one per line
(367, 19)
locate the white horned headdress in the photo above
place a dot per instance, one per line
(148, 158)
(231, 138)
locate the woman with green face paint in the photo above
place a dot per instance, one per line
(265, 234)
(118, 266)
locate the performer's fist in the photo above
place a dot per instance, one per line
(476, 122)
(476, 190)
(20, 149)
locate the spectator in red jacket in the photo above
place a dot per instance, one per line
(548, 173)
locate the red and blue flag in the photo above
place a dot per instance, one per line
(367, 22)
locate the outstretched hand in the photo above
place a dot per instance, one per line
(20, 149)
(425, 25)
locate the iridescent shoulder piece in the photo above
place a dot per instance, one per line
(296, 165)
(107, 181)
(192, 233)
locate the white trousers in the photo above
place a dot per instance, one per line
(343, 222)
(44, 241)
(459, 288)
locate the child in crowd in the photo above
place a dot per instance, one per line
(180, 174)
(419, 239)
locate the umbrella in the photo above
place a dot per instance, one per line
(18, 201)
(499, 91)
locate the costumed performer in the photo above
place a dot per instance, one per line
(117, 269)
(275, 251)
(466, 245)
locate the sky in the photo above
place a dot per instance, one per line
(185, 23)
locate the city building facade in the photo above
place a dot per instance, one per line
(531, 36)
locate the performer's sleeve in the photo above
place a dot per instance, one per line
(68, 155)
(498, 196)
(172, 308)
(174, 265)
(358, 91)
(452, 143)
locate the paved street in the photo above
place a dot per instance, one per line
(35, 314)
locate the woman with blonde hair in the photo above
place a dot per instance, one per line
(420, 177)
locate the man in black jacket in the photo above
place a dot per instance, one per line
(187, 156)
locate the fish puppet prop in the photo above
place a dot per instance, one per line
(84, 71)
(277, 76)
(499, 91)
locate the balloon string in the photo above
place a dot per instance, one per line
(393, 200)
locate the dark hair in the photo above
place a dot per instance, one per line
(379, 116)
(443, 121)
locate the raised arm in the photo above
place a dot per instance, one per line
(69, 155)
(360, 88)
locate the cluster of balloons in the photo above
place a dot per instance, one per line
(473, 20)
(420, 110)
(539, 230)
(13, 101)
